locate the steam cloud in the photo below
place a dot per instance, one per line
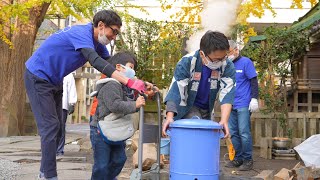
(217, 15)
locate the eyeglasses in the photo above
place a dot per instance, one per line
(216, 60)
(114, 31)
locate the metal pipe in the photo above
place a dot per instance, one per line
(141, 113)
(160, 129)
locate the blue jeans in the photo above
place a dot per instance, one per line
(240, 130)
(108, 159)
(46, 104)
(60, 149)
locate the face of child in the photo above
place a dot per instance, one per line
(126, 70)
(120, 67)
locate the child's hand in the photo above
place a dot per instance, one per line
(140, 102)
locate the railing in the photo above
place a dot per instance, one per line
(306, 84)
(302, 125)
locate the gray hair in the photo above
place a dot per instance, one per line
(233, 44)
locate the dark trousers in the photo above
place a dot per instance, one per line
(108, 159)
(60, 149)
(46, 104)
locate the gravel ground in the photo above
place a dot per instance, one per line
(8, 169)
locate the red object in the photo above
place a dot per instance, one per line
(95, 101)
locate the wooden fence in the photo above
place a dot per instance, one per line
(303, 125)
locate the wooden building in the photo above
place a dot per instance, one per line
(306, 70)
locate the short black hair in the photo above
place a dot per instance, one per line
(212, 41)
(108, 17)
(123, 58)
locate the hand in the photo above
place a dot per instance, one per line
(165, 126)
(151, 89)
(136, 85)
(71, 109)
(225, 129)
(140, 102)
(254, 105)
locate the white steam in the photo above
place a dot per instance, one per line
(217, 15)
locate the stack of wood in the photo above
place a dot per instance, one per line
(296, 173)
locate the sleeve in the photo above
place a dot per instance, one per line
(97, 62)
(72, 90)
(103, 51)
(112, 95)
(177, 94)
(227, 84)
(250, 71)
(80, 39)
(254, 88)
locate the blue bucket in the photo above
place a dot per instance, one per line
(165, 146)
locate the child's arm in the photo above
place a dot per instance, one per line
(112, 95)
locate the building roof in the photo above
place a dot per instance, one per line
(308, 19)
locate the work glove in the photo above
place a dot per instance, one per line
(70, 109)
(136, 85)
(254, 105)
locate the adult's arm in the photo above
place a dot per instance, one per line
(102, 65)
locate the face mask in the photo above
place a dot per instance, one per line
(231, 57)
(213, 65)
(103, 39)
(129, 73)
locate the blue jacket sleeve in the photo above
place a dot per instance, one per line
(227, 84)
(177, 94)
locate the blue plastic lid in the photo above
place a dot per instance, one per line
(195, 124)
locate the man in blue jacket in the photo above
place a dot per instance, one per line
(62, 53)
(198, 78)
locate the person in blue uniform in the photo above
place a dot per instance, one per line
(245, 102)
(64, 52)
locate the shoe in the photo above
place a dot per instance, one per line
(41, 177)
(60, 154)
(246, 166)
(234, 164)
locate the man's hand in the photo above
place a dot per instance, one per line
(165, 126)
(136, 85)
(140, 102)
(70, 109)
(225, 129)
(254, 105)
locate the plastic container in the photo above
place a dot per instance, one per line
(165, 146)
(194, 149)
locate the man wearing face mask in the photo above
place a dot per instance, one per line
(245, 102)
(198, 78)
(64, 52)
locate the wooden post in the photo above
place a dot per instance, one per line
(295, 101)
(300, 127)
(257, 134)
(268, 126)
(291, 125)
(313, 126)
(309, 101)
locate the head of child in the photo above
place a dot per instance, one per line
(125, 63)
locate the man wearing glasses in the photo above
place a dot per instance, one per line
(245, 102)
(198, 78)
(64, 52)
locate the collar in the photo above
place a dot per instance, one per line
(235, 60)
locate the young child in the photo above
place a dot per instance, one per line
(109, 158)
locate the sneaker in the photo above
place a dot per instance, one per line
(246, 166)
(234, 164)
(41, 177)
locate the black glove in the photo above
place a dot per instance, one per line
(71, 109)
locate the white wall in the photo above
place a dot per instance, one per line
(284, 13)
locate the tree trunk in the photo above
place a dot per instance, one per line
(12, 68)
